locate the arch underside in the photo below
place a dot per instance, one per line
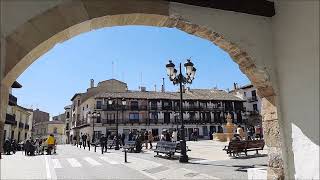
(60, 23)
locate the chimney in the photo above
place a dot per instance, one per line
(162, 87)
(91, 83)
(155, 88)
(143, 89)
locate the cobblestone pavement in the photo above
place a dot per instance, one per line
(207, 161)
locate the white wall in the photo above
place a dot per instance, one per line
(296, 46)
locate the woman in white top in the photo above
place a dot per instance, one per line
(174, 136)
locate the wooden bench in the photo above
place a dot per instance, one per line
(165, 147)
(236, 147)
(129, 145)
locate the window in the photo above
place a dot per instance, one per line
(68, 115)
(205, 130)
(166, 105)
(166, 117)
(191, 104)
(245, 94)
(99, 104)
(83, 108)
(154, 115)
(203, 104)
(99, 119)
(153, 105)
(87, 106)
(255, 107)
(78, 102)
(134, 105)
(192, 115)
(55, 130)
(134, 116)
(254, 95)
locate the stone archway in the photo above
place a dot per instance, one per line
(25, 45)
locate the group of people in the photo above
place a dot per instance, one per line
(31, 147)
(252, 133)
(10, 146)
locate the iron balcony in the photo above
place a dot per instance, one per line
(10, 119)
(12, 100)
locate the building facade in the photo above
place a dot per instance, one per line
(57, 128)
(67, 122)
(205, 110)
(252, 103)
(40, 116)
(17, 125)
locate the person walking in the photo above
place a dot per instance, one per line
(150, 139)
(50, 142)
(84, 140)
(103, 143)
(81, 140)
(146, 140)
(130, 138)
(88, 141)
(74, 140)
(7, 147)
(174, 136)
(167, 136)
(123, 137)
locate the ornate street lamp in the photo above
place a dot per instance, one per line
(180, 79)
(94, 115)
(124, 102)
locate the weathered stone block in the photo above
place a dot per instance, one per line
(73, 12)
(28, 37)
(50, 22)
(275, 174)
(14, 53)
(275, 157)
(269, 110)
(271, 133)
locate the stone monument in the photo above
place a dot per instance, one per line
(226, 136)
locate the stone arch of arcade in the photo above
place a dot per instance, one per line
(31, 39)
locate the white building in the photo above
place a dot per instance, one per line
(252, 103)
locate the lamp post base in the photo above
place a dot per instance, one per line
(183, 158)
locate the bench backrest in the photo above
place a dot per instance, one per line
(237, 145)
(130, 143)
(255, 144)
(166, 145)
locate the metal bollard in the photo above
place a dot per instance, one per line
(125, 156)
(95, 148)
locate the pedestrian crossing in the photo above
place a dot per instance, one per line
(73, 162)
(83, 162)
(149, 168)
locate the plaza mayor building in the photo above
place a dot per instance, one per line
(115, 107)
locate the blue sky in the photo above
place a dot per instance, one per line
(139, 55)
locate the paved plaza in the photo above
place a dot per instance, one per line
(207, 161)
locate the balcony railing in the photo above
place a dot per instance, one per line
(252, 99)
(12, 100)
(11, 119)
